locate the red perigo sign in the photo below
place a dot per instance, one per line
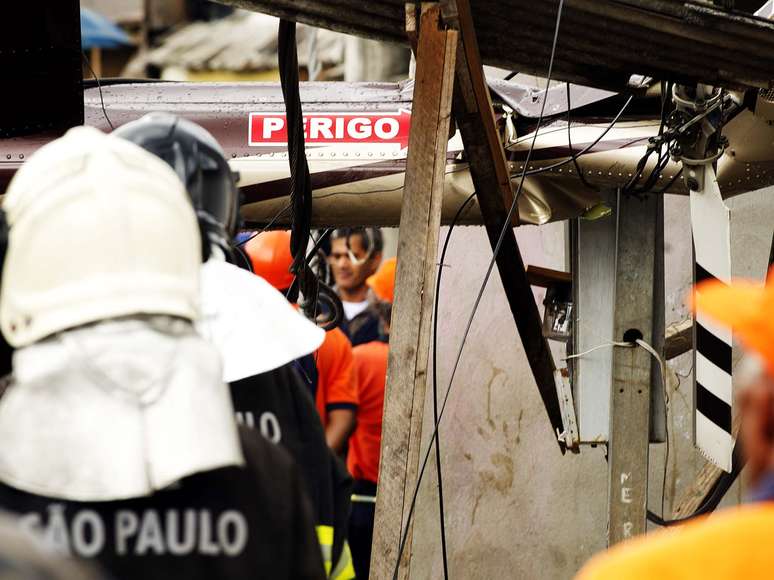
(327, 128)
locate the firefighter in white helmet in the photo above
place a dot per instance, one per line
(119, 442)
(257, 332)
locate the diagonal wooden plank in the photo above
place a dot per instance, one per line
(489, 171)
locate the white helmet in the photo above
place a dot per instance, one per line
(99, 229)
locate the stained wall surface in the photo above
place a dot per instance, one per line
(514, 506)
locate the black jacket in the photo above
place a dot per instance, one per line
(229, 523)
(279, 404)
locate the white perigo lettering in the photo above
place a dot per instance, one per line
(386, 127)
(320, 128)
(339, 123)
(271, 125)
(359, 128)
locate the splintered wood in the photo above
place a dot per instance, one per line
(414, 291)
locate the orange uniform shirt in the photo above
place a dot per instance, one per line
(365, 443)
(733, 543)
(336, 381)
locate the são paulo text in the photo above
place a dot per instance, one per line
(137, 533)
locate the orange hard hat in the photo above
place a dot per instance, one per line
(383, 281)
(269, 253)
(747, 307)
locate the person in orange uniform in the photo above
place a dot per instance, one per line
(329, 370)
(365, 443)
(737, 542)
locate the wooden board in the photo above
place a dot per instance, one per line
(414, 292)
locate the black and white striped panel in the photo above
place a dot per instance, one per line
(713, 395)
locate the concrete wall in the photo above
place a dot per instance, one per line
(515, 507)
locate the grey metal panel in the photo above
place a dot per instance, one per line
(594, 299)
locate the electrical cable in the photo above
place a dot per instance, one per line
(662, 370)
(300, 179)
(715, 496)
(713, 499)
(311, 289)
(325, 294)
(495, 252)
(569, 141)
(675, 177)
(99, 87)
(611, 343)
(282, 211)
(436, 303)
(273, 220)
(582, 151)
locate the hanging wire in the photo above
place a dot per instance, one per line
(495, 252)
(583, 151)
(436, 303)
(569, 141)
(99, 88)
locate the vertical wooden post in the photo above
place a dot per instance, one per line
(414, 290)
(630, 401)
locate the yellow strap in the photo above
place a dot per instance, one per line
(344, 568)
(325, 538)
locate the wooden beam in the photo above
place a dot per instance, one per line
(630, 401)
(414, 291)
(546, 277)
(679, 339)
(489, 171)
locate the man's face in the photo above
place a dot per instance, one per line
(350, 275)
(757, 425)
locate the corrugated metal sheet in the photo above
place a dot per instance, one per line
(602, 42)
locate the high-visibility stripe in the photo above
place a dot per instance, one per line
(360, 498)
(713, 408)
(325, 538)
(713, 348)
(711, 226)
(713, 379)
(345, 569)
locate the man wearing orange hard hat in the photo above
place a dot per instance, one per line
(365, 444)
(737, 542)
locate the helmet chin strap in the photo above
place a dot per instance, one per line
(215, 241)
